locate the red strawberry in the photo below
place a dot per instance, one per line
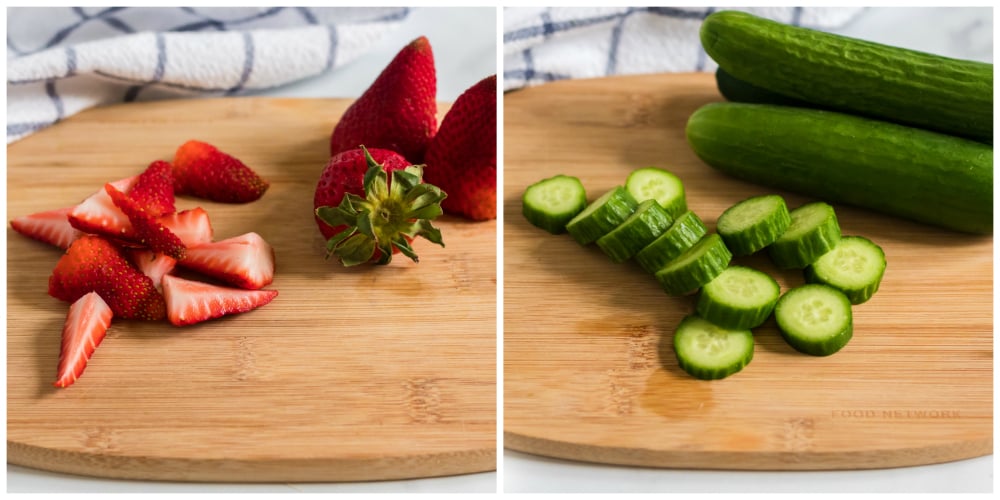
(152, 264)
(50, 227)
(200, 169)
(245, 261)
(95, 264)
(382, 217)
(398, 111)
(145, 229)
(462, 158)
(154, 189)
(190, 302)
(191, 226)
(86, 324)
(99, 215)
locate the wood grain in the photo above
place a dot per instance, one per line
(349, 374)
(589, 369)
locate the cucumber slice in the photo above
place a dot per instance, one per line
(855, 266)
(710, 352)
(695, 267)
(601, 216)
(753, 223)
(682, 235)
(551, 203)
(815, 319)
(813, 232)
(739, 298)
(653, 183)
(642, 227)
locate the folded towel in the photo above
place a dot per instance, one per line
(63, 60)
(545, 44)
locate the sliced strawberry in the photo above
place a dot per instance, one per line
(95, 264)
(50, 227)
(154, 189)
(200, 169)
(152, 264)
(86, 324)
(246, 261)
(191, 226)
(145, 229)
(99, 215)
(190, 302)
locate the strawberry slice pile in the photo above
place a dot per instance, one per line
(125, 243)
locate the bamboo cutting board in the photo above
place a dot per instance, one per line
(355, 374)
(589, 368)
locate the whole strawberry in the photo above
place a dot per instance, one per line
(398, 111)
(364, 216)
(462, 157)
(200, 169)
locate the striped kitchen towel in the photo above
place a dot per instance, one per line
(62, 60)
(546, 44)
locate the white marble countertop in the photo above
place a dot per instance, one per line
(463, 41)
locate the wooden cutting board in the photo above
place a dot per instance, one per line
(589, 368)
(349, 374)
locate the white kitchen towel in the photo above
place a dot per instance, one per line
(62, 60)
(545, 44)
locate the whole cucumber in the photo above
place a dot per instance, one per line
(836, 72)
(909, 172)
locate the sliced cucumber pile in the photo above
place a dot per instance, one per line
(601, 216)
(647, 220)
(642, 227)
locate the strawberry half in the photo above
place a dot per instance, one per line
(146, 231)
(385, 220)
(192, 226)
(86, 325)
(246, 261)
(190, 302)
(200, 169)
(152, 264)
(462, 158)
(50, 227)
(398, 111)
(95, 264)
(99, 215)
(154, 189)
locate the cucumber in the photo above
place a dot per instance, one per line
(739, 298)
(601, 216)
(813, 231)
(695, 267)
(907, 172)
(753, 223)
(815, 319)
(855, 267)
(653, 183)
(736, 90)
(924, 90)
(647, 222)
(551, 203)
(682, 235)
(710, 352)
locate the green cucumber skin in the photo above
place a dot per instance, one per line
(619, 207)
(919, 175)
(623, 242)
(680, 236)
(679, 282)
(736, 90)
(832, 71)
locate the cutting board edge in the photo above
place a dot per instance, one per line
(265, 470)
(751, 459)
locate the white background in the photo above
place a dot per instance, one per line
(465, 51)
